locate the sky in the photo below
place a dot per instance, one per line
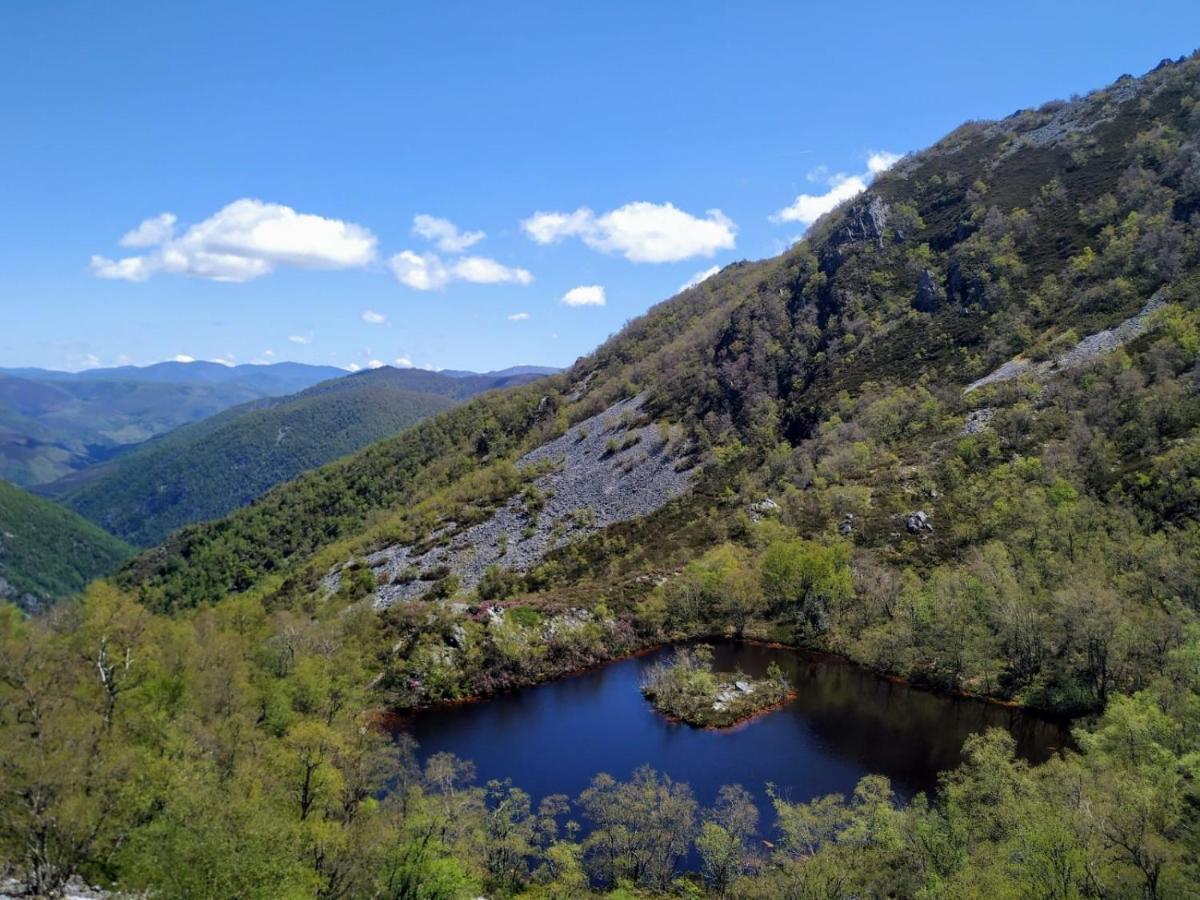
(466, 185)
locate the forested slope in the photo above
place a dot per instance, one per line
(47, 552)
(207, 469)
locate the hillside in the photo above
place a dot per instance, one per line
(48, 552)
(204, 470)
(56, 423)
(953, 435)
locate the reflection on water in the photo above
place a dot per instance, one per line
(845, 723)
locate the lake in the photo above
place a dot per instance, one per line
(845, 723)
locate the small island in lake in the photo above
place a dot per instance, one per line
(687, 689)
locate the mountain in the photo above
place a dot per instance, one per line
(504, 373)
(48, 552)
(204, 470)
(55, 423)
(277, 378)
(952, 435)
(858, 390)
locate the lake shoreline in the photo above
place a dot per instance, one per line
(385, 717)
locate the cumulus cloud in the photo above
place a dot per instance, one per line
(184, 358)
(353, 367)
(245, 240)
(374, 318)
(151, 232)
(641, 231)
(445, 233)
(404, 362)
(807, 208)
(300, 338)
(584, 295)
(519, 317)
(881, 161)
(376, 364)
(699, 277)
(430, 272)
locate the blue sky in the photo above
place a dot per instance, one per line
(294, 145)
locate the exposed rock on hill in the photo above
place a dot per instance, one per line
(1088, 349)
(610, 468)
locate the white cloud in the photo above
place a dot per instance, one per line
(245, 240)
(376, 364)
(445, 233)
(300, 338)
(551, 227)
(584, 295)
(374, 318)
(184, 358)
(151, 232)
(641, 231)
(519, 317)
(429, 272)
(268, 353)
(404, 362)
(881, 161)
(699, 277)
(807, 208)
(131, 268)
(353, 367)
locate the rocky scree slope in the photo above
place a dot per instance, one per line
(604, 470)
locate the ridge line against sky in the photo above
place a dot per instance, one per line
(458, 187)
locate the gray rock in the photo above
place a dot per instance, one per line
(1091, 347)
(606, 469)
(979, 420)
(866, 220)
(918, 521)
(929, 295)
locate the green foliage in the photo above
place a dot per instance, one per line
(204, 470)
(48, 552)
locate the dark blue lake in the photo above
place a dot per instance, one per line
(845, 723)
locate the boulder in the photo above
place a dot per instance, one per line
(918, 521)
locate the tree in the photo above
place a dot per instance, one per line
(641, 829)
(804, 581)
(723, 842)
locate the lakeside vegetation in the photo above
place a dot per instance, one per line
(687, 689)
(226, 752)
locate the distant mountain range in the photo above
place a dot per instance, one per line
(208, 468)
(53, 424)
(47, 551)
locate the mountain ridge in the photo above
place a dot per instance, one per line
(205, 469)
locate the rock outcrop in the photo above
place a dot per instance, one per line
(609, 468)
(1091, 347)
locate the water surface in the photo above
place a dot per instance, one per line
(845, 723)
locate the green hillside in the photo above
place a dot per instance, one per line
(48, 552)
(204, 470)
(953, 435)
(55, 423)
